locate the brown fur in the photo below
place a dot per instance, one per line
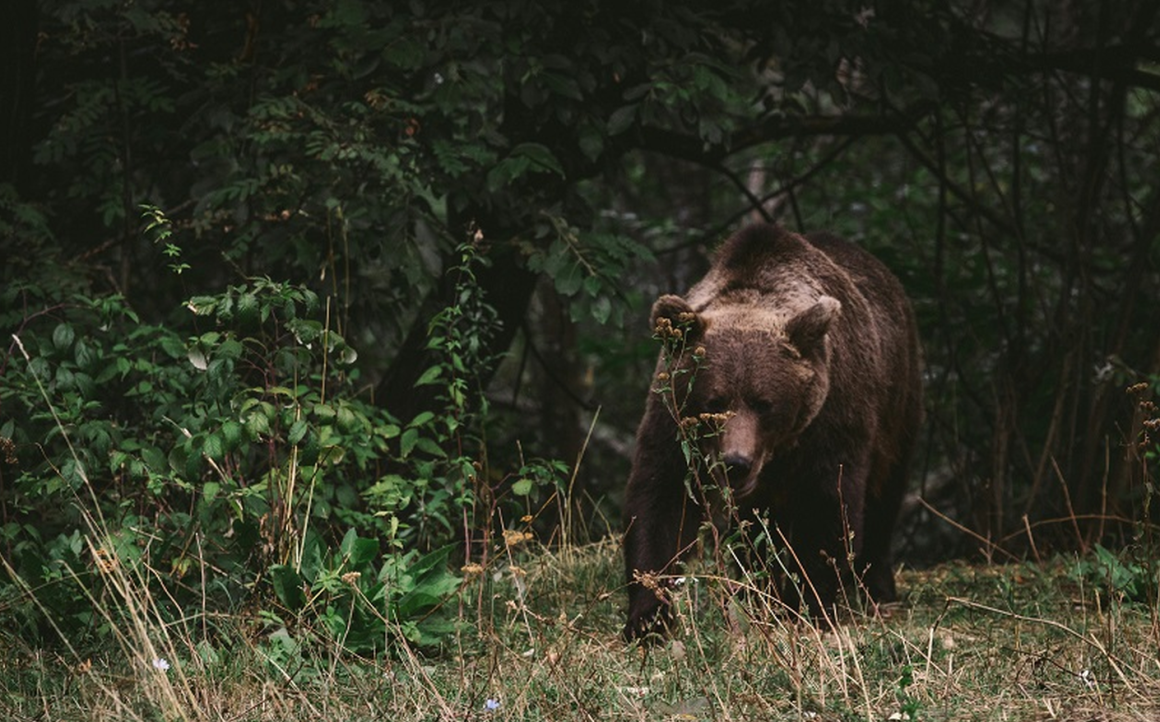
(810, 346)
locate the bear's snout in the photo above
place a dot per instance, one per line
(741, 472)
(739, 465)
(740, 446)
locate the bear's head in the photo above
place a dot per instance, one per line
(762, 376)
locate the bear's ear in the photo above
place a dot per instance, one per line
(680, 315)
(807, 329)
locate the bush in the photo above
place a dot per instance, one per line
(232, 451)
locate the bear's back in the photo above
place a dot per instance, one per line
(769, 261)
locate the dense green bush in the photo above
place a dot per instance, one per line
(238, 445)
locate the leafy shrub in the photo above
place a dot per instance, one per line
(362, 598)
(1129, 576)
(234, 447)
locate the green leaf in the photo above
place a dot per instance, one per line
(230, 348)
(197, 358)
(212, 447)
(347, 419)
(247, 309)
(232, 434)
(358, 551)
(429, 446)
(297, 432)
(540, 157)
(622, 119)
(172, 346)
(430, 376)
(288, 586)
(570, 279)
(591, 142)
(62, 336)
(601, 309)
(408, 441)
(257, 424)
(207, 653)
(433, 584)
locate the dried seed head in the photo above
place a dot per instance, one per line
(8, 448)
(664, 328)
(514, 537)
(104, 560)
(718, 419)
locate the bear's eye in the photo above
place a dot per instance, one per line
(761, 406)
(717, 405)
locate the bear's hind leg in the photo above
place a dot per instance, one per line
(876, 563)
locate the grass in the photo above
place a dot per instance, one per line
(539, 640)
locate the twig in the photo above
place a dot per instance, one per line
(1090, 641)
(981, 539)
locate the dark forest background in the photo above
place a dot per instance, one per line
(288, 280)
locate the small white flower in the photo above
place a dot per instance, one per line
(1088, 679)
(161, 664)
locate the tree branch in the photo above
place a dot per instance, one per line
(693, 149)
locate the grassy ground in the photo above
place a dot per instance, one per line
(539, 641)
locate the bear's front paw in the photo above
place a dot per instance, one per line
(648, 626)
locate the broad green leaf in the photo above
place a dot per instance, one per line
(212, 447)
(62, 336)
(430, 376)
(407, 442)
(601, 309)
(231, 434)
(198, 359)
(622, 119)
(297, 432)
(288, 586)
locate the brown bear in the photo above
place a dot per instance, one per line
(794, 367)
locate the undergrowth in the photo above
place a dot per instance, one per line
(538, 642)
(530, 633)
(189, 537)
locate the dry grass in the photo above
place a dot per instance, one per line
(540, 642)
